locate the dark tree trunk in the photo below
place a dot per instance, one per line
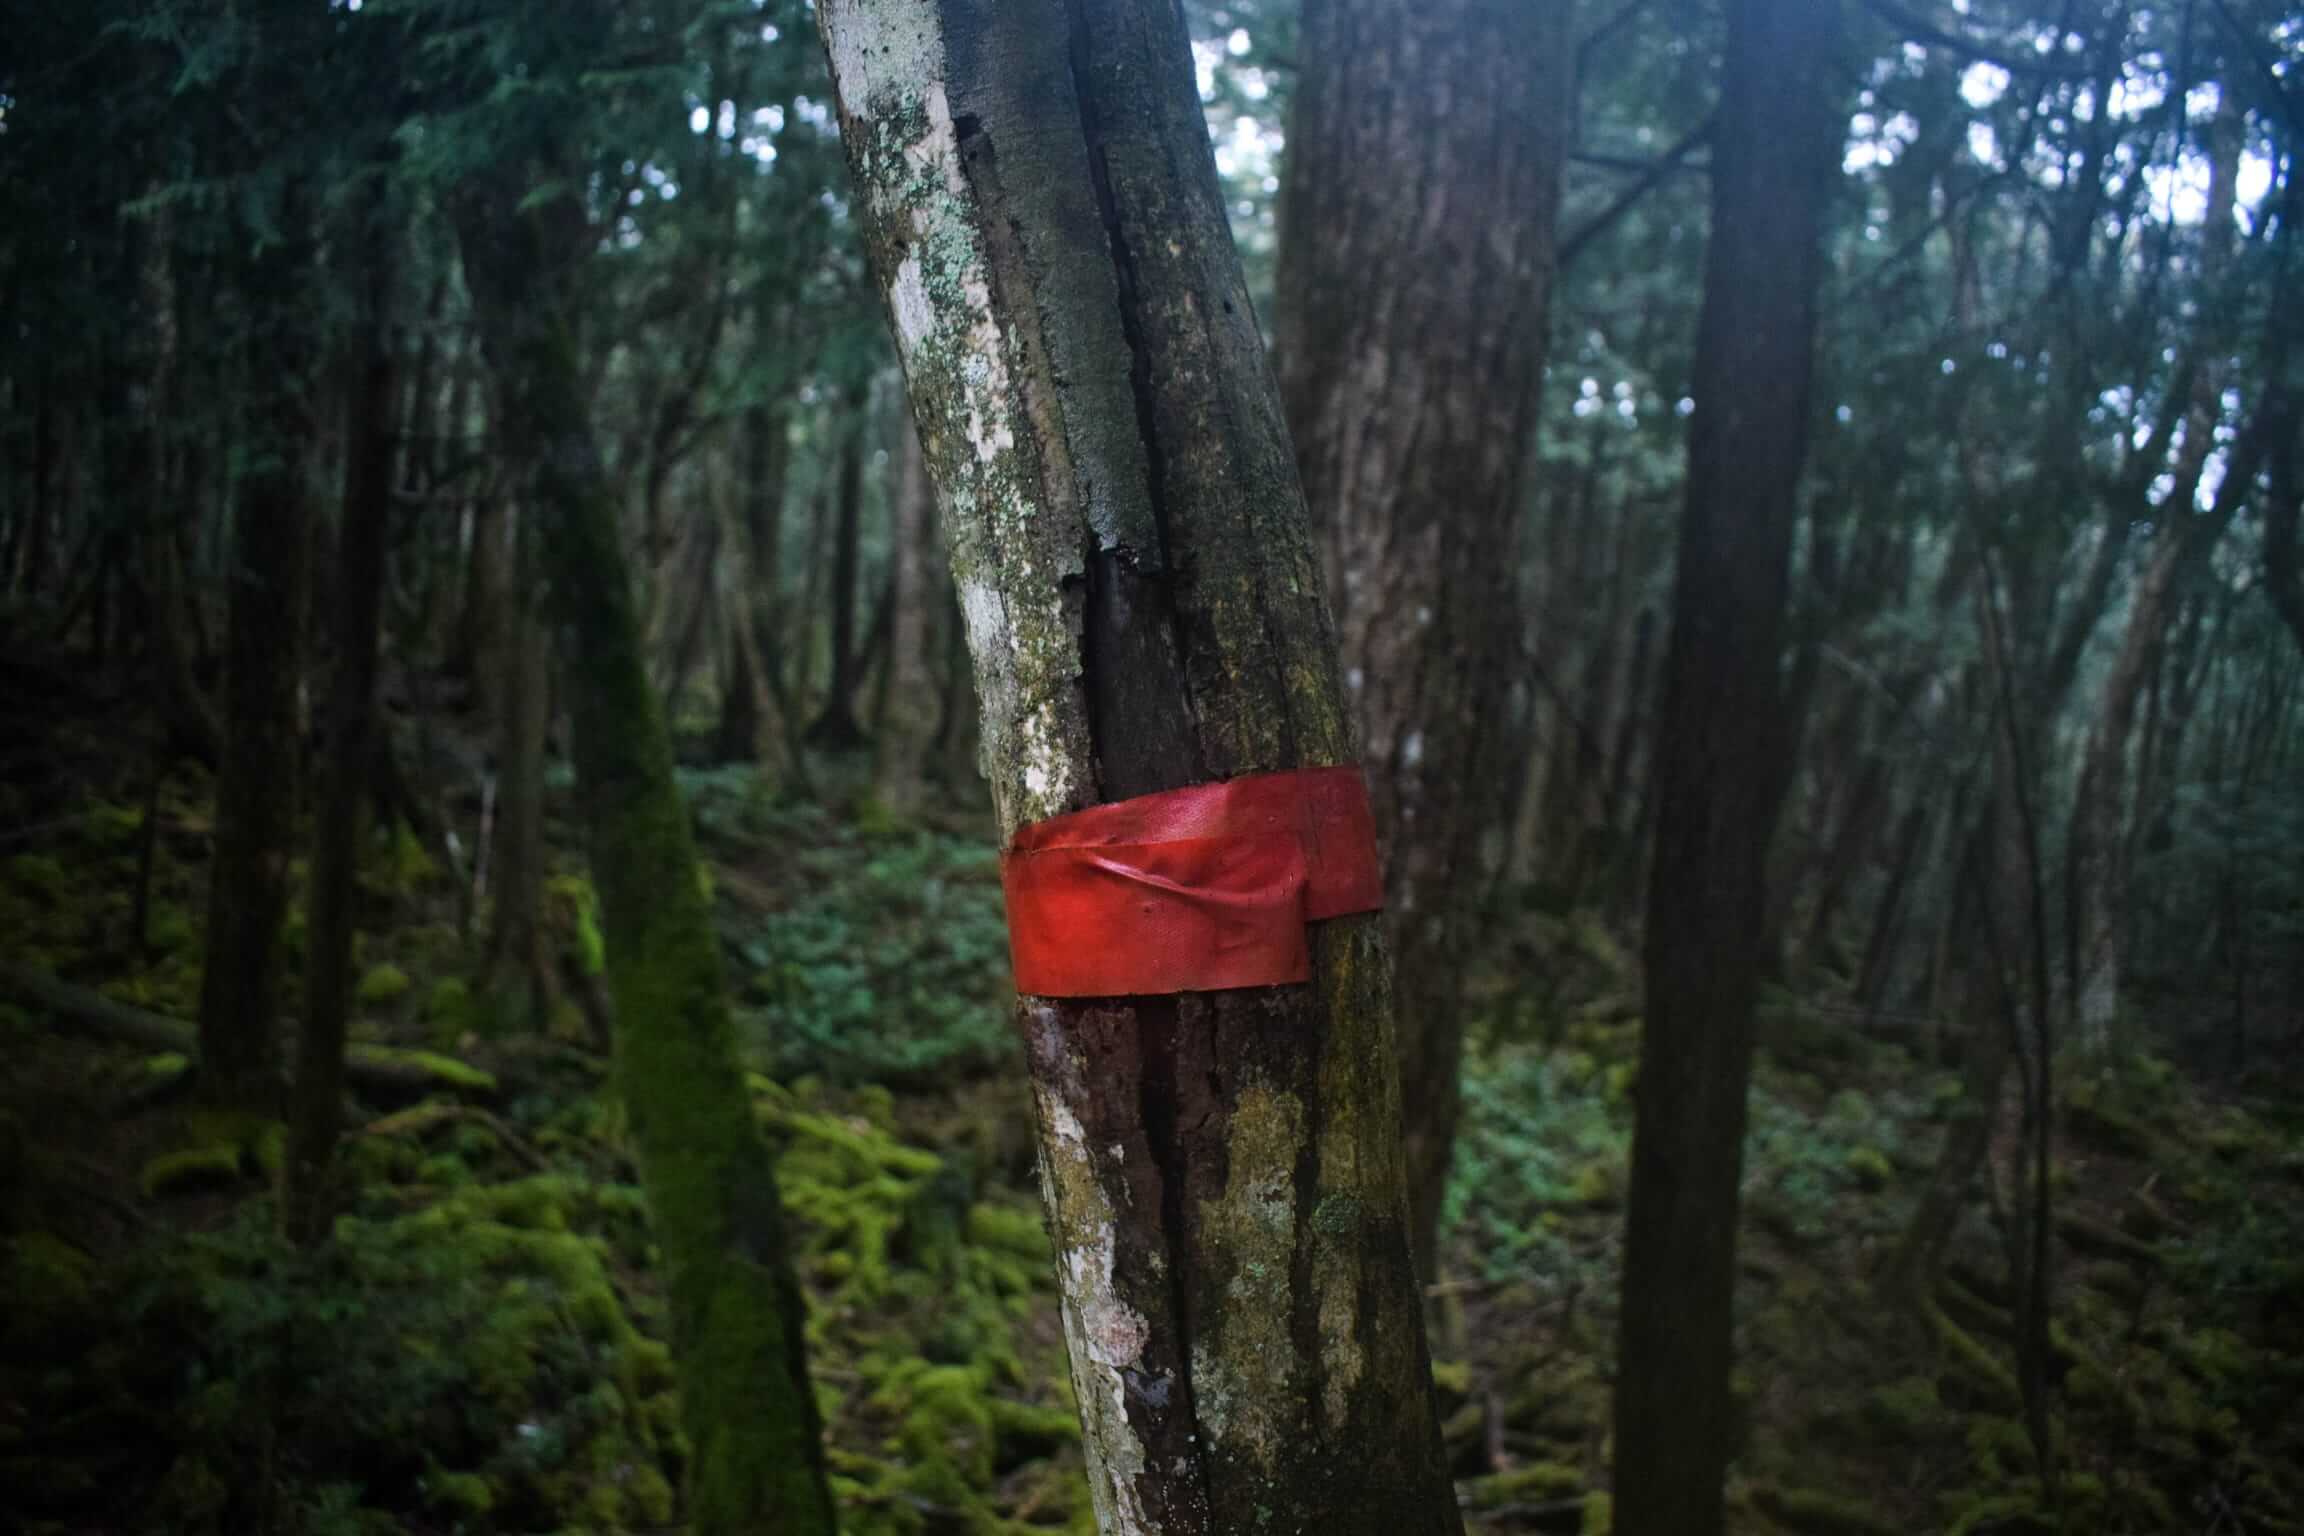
(256, 789)
(518, 977)
(358, 601)
(836, 727)
(1720, 776)
(1125, 525)
(756, 1460)
(1423, 180)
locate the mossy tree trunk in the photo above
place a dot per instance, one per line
(756, 1455)
(1223, 1169)
(1423, 179)
(1723, 741)
(256, 787)
(341, 809)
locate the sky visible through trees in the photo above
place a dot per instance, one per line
(549, 551)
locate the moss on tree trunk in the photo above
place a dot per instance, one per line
(1119, 500)
(756, 1454)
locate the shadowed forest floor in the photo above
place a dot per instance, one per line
(481, 1350)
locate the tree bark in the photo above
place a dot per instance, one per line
(1222, 1169)
(256, 789)
(1423, 184)
(756, 1446)
(516, 984)
(1720, 779)
(836, 727)
(358, 611)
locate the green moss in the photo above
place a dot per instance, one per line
(47, 1277)
(1537, 1483)
(1905, 1409)
(459, 1493)
(1814, 1513)
(382, 984)
(1870, 1167)
(448, 1010)
(447, 1071)
(1599, 1514)
(172, 1172)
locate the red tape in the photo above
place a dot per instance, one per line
(1189, 890)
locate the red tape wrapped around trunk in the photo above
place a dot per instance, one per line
(1189, 890)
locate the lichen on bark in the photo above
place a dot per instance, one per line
(1221, 1171)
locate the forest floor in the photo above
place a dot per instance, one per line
(480, 1349)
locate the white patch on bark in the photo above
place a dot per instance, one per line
(1103, 1334)
(908, 302)
(889, 65)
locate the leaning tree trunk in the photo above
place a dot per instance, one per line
(756, 1460)
(1423, 176)
(2096, 868)
(1222, 1169)
(1722, 738)
(256, 788)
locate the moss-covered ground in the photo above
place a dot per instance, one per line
(480, 1348)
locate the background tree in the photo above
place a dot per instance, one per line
(1423, 178)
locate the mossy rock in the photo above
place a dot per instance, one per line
(193, 1167)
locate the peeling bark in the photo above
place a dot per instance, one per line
(1222, 1170)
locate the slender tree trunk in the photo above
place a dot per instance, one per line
(1222, 1169)
(357, 614)
(517, 979)
(256, 789)
(1423, 181)
(1720, 774)
(2096, 871)
(756, 1458)
(836, 727)
(754, 727)
(900, 747)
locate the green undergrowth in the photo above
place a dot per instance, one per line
(859, 955)
(2178, 1322)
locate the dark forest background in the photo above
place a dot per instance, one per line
(317, 1213)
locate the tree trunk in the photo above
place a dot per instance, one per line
(756, 1457)
(517, 974)
(1720, 775)
(357, 613)
(900, 748)
(752, 727)
(836, 727)
(1222, 1169)
(256, 788)
(1423, 179)
(2097, 872)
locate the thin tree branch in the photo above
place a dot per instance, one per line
(1665, 166)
